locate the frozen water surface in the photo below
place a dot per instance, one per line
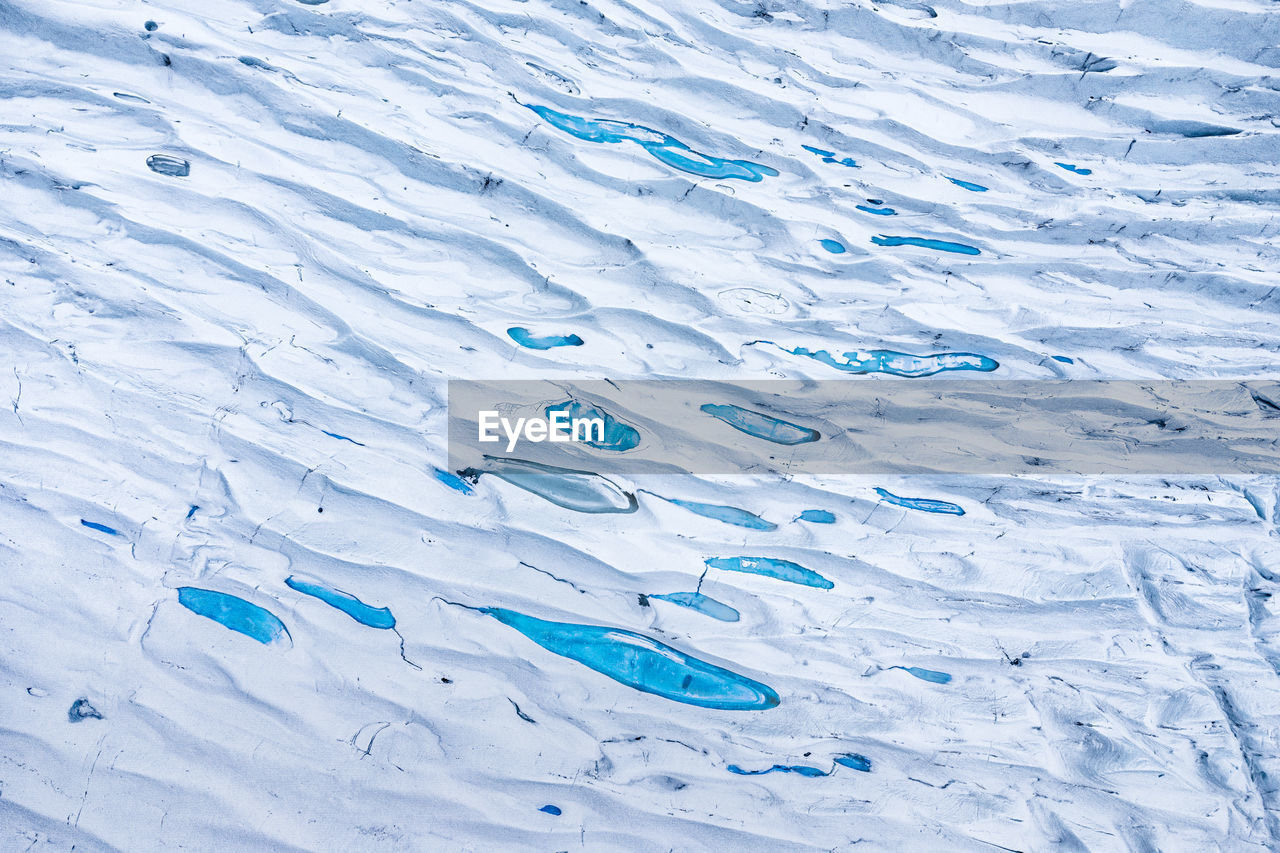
(245, 244)
(761, 425)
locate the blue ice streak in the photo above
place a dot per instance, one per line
(878, 211)
(342, 438)
(374, 617)
(1071, 167)
(643, 663)
(233, 612)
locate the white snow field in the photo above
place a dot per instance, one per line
(245, 244)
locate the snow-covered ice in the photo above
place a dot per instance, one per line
(244, 604)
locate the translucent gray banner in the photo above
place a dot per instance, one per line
(1190, 427)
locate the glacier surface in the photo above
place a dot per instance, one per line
(245, 606)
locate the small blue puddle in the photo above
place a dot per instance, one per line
(704, 604)
(1063, 359)
(1071, 167)
(830, 157)
(173, 167)
(926, 243)
(81, 710)
(922, 504)
(374, 617)
(525, 338)
(551, 810)
(833, 246)
(662, 147)
(968, 185)
(783, 570)
(643, 663)
(856, 761)
(759, 425)
(818, 516)
(233, 612)
(878, 211)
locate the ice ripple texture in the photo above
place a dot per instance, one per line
(244, 244)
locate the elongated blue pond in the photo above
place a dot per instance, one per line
(728, 514)
(968, 185)
(528, 339)
(643, 663)
(761, 425)
(900, 363)
(921, 504)
(799, 769)
(852, 760)
(233, 612)
(927, 243)
(582, 491)
(164, 164)
(830, 157)
(101, 528)
(818, 516)
(783, 570)
(930, 675)
(374, 617)
(618, 437)
(453, 481)
(704, 604)
(661, 146)
(856, 761)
